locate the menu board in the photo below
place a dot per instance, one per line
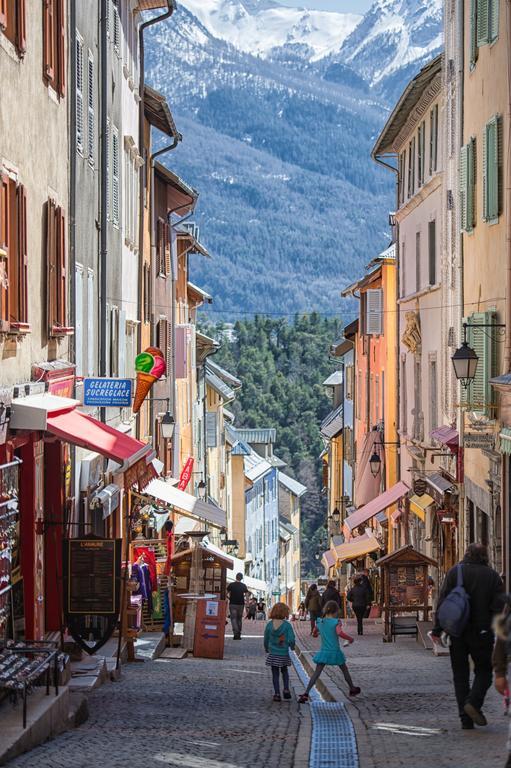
(407, 584)
(92, 575)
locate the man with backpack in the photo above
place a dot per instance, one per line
(471, 594)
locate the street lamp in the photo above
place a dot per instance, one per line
(223, 533)
(167, 425)
(335, 516)
(464, 362)
(375, 464)
(201, 488)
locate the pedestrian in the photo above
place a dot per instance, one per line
(484, 588)
(313, 604)
(261, 610)
(501, 658)
(330, 653)
(331, 593)
(251, 609)
(237, 591)
(359, 598)
(278, 639)
(370, 591)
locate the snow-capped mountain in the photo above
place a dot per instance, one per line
(261, 27)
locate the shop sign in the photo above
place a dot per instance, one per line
(419, 487)
(92, 578)
(107, 393)
(481, 440)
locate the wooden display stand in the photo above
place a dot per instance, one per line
(405, 590)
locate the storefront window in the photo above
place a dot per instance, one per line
(10, 574)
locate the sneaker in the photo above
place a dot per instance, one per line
(475, 714)
(287, 695)
(355, 690)
(276, 697)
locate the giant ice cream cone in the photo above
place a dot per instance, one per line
(150, 366)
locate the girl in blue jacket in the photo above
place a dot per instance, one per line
(278, 639)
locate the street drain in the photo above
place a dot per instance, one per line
(333, 742)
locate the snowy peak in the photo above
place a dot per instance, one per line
(260, 27)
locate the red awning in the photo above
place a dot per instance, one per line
(78, 429)
(381, 502)
(447, 436)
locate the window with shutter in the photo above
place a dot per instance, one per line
(115, 176)
(432, 251)
(79, 93)
(114, 341)
(473, 33)
(13, 23)
(433, 140)
(166, 244)
(211, 429)
(466, 185)
(4, 252)
(421, 151)
(402, 267)
(374, 320)
(61, 267)
(106, 138)
(21, 27)
(51, 264)
(492, 169)
(404, 397)
(417, 261)
(160, 246)
(349, 376)
(121, 344)
(147, 293)
(60, 44)
(410, 164)
(482, 22)
(91, 327)
(90, 108)
(49, 40)
(479, 392)
(21, 279)
(3, 15)
(433, 396)
(54, 32)
(79, 315)
(493, 20)
(116, 26)
(56, 270)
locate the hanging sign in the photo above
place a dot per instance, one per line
(482, 440)
(150, 366)
(185, 475)
(107, 393)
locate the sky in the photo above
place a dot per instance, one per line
(353, 6)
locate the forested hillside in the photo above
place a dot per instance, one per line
(282, 366)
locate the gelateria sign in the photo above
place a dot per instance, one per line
(482, 440)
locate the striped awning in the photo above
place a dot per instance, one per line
(505, 440)
(357, 547)
(419, 505)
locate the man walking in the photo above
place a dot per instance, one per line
(237, 591)
(484, 588)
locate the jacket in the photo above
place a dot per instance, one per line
(331, 593)
(485, 589)
(278, 637)
(313, 601)
(358, 596)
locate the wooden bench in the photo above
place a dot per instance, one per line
(404, 625)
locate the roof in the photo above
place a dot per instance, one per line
(239, 448)
(195, 245)
(158, 113)
(410, 97)
(403, 553)
(229, 415)
(151, 5)
(255, 466)
(220, 387)
(184, 197)
(205, 346)
(289, 527)
(292, 485)
(502, 381)
(198, 293)
(440, 483)
(334, 379)
(363, 281)
(258, 436)
(333, 423)
(226, 377)
(275, 461)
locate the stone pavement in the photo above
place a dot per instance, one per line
(191, 713)
(406, 714)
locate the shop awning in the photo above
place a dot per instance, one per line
(186, 504)
(440, 484)
(58, 415)
(328, 560)
(367, 486)
(505, 440)
(357, 547)
(419, 505)
(381, 502)
(447, 436)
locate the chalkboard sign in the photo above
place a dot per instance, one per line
(92, 576)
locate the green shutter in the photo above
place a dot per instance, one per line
(463, 188)
(482, 342)
(473, 32)
(494, 20)
(492, 151)
(483, 22)
(471, 176)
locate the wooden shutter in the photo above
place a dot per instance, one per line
(433, 396)
(473, 32)
(61, 268)
(116, 25)
(79, 316)
(121, 334)
(21, 27)
(433, 140)
(48, 38)
(432, 251)
(417, 261)
(410, 162)
(108, 173)
(115, 176)
(211, 429)
(22, 255)
(492, 153)
(90, 108)
(166, 253)
(4, 251)
(374, 321)
(479, 392)
(91, 332)
(51, 265)
(60, 51)
(114, 342)
(79, 93)
(482, 22)
(160, 245)
(493, 20)
(147, 292)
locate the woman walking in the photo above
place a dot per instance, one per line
(359, 598)
(278, 639)
(313, 604)
(330, 630)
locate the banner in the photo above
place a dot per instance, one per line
(186, 474)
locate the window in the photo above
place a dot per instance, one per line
(487, 20)
(114, 341)
(91, 328)
(377, 399)
(79, 315)
(402, 168)
(402, 266)
(404, 397)
(163, 247)
(478, 394)
(349, 374)
(147, 293)
(90, 108)
(433, 140)
(421, 153)
(411, 167)
(417, 261)
(115, 176)
(432, 251)
(116, 24)
(348, 445)
(79, 93)
(418, 427)
(54, 33)
(433, 396)
(164, 342)
(492, 170)
(374, 308)
(13, 23)
(13, 256)
(467, 186)
(56, 266)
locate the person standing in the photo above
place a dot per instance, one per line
(359, 598)
(331, 593)
(278, 639)
(237, 591)
(485, 591)
(313, 604)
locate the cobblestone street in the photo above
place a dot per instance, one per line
(406, 714)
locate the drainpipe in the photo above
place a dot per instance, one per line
(460, 43)
(103, 240)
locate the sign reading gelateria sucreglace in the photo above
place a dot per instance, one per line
(108, 393)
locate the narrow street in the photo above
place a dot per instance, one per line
(199, 713)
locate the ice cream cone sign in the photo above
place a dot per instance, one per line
(150, 366)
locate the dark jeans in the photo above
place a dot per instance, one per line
(479, 647)
(276, 679)
(360, 612)
(313, 616)
(236, 613)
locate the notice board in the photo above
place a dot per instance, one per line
(92, 576)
